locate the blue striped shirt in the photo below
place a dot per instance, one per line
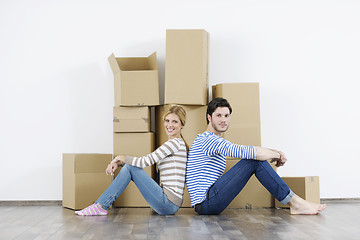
(207, 162)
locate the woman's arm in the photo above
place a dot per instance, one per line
(168, 148)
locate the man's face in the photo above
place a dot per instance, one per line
(220, 119)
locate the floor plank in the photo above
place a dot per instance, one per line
(339, 221)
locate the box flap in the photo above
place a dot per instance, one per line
(152, 61)
(113, 64)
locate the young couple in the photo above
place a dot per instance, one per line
(211, 191)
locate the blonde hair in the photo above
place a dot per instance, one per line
(181, 113)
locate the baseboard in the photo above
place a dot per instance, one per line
(59, 202)
(31, 203)
(339, 200)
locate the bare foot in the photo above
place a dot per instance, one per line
(301, 206)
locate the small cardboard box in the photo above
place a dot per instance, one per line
(254, 194)
(131, 196)
(186, 67)
(305, 187)
(133, 144)
(195, 123)
(131, 119)
(84, 178)
(245, 118)
(136, 80)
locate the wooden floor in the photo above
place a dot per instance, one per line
(339, 221)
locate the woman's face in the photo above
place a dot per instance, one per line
(172, 125)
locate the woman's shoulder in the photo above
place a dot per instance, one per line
(175, 141)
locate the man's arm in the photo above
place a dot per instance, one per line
(264, 154)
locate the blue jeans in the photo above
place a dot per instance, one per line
(151, 191)
(228, 186)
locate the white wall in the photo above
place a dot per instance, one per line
(56, 91)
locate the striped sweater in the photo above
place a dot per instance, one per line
(171, 158)
(207, 162)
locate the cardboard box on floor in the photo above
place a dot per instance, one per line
(195, 123)
(254, 194)
(131, 119)
(244, 99)
(136, 145)
(186, 66)
(305, 187)
(136, 80)
(84, 178)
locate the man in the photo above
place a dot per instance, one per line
(211, 191)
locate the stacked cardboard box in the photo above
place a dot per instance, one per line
(245, 119)
(244, 129)
(186, 66)
(186, 83)
(136, 89)
(136, 80)
(84, 178)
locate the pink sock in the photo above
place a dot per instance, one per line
(92, 210)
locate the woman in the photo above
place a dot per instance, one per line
(171, 158)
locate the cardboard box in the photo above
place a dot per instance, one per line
(131, 119)
(136, 80)
(305, 187)
(133, 144)
(84, 178)
(186, 67)
(136, 145)
(254, 194)
(131, 196)
(245, 123)
(195, 123)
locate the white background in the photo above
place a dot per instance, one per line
(56, 90)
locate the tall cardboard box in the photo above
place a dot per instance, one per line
(131, 119)
(305, 187)
(244, 99)
(186, 66)
(254, 194)
(84, 178)
(136, 80)
(136, 145)
(195, 123)
(133, 144)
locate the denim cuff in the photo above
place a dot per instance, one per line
(286, 200)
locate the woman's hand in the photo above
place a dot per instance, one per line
(111, 168)
(118, 161)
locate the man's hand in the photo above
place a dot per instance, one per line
(279, 161)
